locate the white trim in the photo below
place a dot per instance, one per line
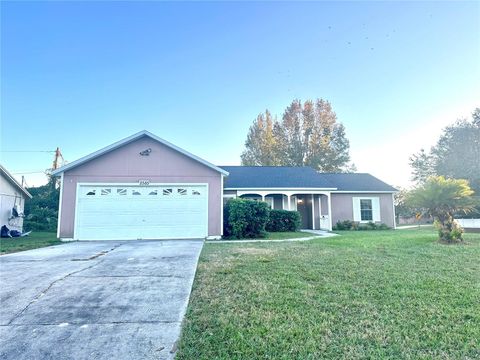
(206, 205)
(14, 181)
(313, 212)
(393, 209)
(128, 140)
(330, 217)
(221, 205)
(136, 185)
(281, 189)
(60, 206)
(364, 192)
(76, 211)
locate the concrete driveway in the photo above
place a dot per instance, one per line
(96, 300)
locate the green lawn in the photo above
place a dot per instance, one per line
(369, 294)
(33, 241)
(288, 235)
(282, 235)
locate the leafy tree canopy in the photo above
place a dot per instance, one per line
(41, 210)
(455, 155)
(307, 135)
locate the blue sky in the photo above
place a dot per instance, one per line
(81, 75)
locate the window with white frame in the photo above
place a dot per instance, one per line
(366, 210)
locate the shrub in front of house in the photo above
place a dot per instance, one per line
(345, 225)
(245, 218)
(355, 225)
(283, 220)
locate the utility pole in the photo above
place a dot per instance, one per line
(58, 155)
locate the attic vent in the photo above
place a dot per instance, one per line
(146, 152)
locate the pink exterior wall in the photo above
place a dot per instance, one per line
(342, 207)
(125, 165)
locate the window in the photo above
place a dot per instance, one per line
(106, 192)
(122, 191)
(91, 192)
(154, 192)
(135, 192)
(195, 192)
(182, 191)
(167, 192)
(366, 210)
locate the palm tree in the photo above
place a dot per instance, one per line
(441, 198)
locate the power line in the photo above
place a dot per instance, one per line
(27, 151)
(29, 172)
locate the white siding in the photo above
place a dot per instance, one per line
(9, 196)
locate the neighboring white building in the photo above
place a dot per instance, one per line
(12, 195)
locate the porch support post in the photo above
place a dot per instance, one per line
(289, 198)
(313, 212)
(263, 197)
(329, 211)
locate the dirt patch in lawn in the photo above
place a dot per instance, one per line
(254, 251)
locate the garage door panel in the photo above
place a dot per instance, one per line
(158, 212)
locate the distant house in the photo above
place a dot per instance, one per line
(12, 196)
(144, 187)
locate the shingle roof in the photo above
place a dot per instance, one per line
(357, 182)
(300, 177)
(274, 177)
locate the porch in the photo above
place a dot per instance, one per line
(314, 206)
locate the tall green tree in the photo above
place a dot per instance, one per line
(260, 143)
(41, 210)
(455, 155)
(441, 199)
(423, 166)
(307, 135)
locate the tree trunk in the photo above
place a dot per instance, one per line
(448, 230)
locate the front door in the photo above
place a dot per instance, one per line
(305, 212)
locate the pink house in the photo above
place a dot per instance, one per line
(144, 187)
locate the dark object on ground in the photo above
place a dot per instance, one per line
(7, 233)
(4, 232)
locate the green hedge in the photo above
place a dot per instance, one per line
(245, 218)
(283, 220)
(354, 225)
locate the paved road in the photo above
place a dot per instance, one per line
(96, 300)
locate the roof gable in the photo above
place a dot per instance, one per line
(128, 140)
(14, 182)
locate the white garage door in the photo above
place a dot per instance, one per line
(114, 212)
